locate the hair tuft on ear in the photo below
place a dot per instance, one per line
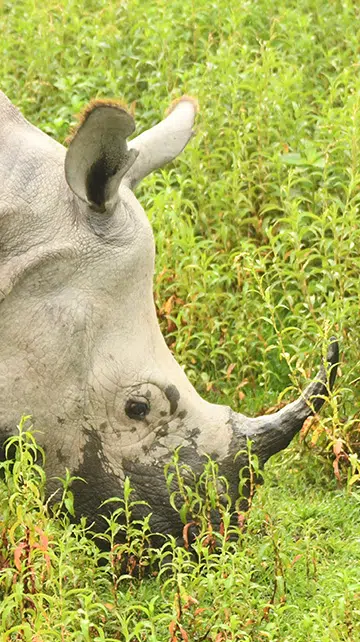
(184, 98)
(89, 108)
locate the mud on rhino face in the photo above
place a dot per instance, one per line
(80, 346)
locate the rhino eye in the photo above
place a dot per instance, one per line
(137, 409)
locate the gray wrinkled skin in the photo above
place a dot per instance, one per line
(79, 337)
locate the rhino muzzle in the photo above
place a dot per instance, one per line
(224, 435)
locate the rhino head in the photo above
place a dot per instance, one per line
(80, 345)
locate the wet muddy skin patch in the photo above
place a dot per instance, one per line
(60, 456)
(163, 430)
(100, 483)
(173, 396)
(149, 484)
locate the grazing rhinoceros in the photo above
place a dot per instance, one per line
(80, 345)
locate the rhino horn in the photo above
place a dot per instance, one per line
(271, 433)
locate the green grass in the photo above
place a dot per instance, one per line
(286, 576)
(258, 236)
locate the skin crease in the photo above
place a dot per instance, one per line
(80, 342)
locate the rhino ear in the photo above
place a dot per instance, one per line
(162, 143)
(98, 156)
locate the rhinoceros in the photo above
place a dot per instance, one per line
(81, 350)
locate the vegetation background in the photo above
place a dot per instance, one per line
(258, 260)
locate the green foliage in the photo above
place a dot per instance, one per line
(196, 498)
(287, 576)
(258, 238)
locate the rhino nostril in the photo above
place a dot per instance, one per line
(136, 409)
